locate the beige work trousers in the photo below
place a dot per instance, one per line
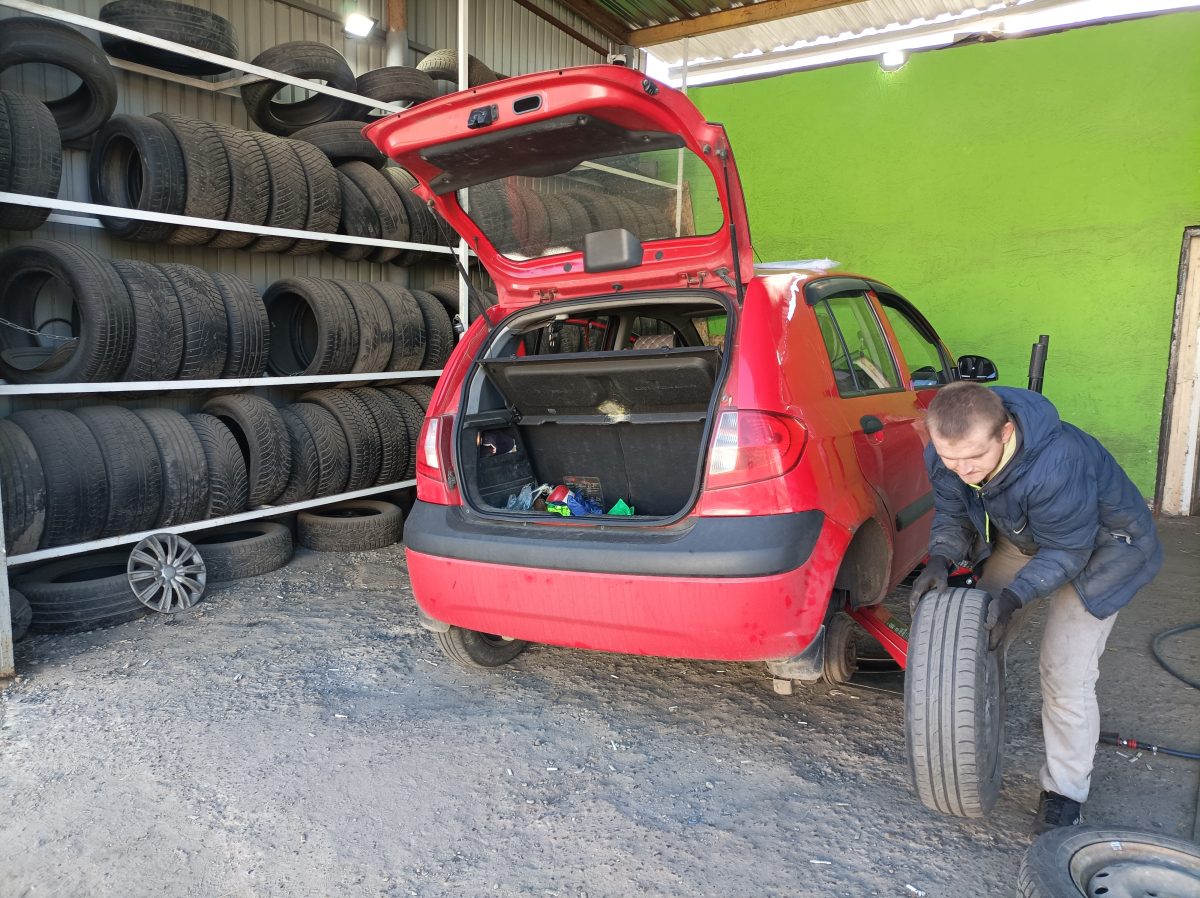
(1069, 664)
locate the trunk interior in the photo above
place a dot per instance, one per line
(610, 424)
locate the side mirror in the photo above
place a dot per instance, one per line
(611, 250)
(977, 368)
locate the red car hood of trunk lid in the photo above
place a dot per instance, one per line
(551, 156)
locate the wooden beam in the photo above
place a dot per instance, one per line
(750, 14)
(600, 18)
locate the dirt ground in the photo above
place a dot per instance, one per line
(299, 735)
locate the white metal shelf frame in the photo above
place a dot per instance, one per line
(92, 213)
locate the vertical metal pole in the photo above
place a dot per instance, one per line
(679, 167)
(7, 664)
(463, 84)
(396, 48)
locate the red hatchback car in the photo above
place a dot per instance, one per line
(759, 429)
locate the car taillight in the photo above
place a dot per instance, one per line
(434, 457)
(750, 446)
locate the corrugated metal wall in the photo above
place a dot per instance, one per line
(507, 37)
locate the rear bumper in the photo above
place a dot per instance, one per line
(735, 617)
(753, 546)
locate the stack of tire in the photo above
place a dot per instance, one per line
(319, 62)
(217, 172)
(133, 321)
(323, 326)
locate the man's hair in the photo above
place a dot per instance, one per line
(961, 407)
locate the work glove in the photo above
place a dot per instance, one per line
(934, 577)
(999, 615)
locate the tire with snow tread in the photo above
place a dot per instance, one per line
(954, 705)
(180, 23)
(381, 196)
(1076, 861)
(342, 142)
(414, 416)
(22, 489)
(247, 549)
(393, 434)
(158, 322)
(439, 331)
(468, 648)
(73, 468)
(324, 194)
(249, 186)
(305, 474)
(374, 327)
(33, 39)
(422, 393)
(136, 163)
(287, 191)
(32, 163)
(80, 593)
(228, 480)
(246, 324)
(309, 60)
(263, 438)
(357, 525)
(207, 173)
(365, 450)
(101, 304)
(184, 467)
(333, 452)
(131, 465)
(359, 219)
(408, 326)
(205, 328)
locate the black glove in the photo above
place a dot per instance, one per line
(999, 615)
(934, 577)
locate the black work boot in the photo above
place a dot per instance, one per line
(1056, 810)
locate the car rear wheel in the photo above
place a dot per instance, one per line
(841, 650)
(471, 648)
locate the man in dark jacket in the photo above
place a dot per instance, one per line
(1050, 514)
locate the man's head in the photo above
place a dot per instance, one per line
(969, 427)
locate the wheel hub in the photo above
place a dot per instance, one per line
(1143, 879)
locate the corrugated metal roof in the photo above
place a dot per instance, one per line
(867, 17)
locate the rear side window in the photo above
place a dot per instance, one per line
(858, 350)
(922, 357)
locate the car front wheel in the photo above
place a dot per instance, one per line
(471, 648)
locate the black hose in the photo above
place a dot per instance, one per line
(1114, 739)
(1154, 650)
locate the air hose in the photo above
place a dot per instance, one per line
(1157, 643)
(1114, 739)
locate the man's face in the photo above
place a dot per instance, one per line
(974, 456)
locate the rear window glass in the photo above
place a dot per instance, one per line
(655, 195)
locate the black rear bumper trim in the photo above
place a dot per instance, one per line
(752, 546)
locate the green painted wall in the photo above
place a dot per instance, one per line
(1009, 189)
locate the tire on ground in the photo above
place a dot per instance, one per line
(248, 549)
(83, 592)
(954, 705)
(1072, 861)
(301, 59)
(22, 489)
(184, 468)
(76, 486)
(101, 305)
(20, 614)
(131, 465)
(468, 648)
(157, 352)
(342, 142)
(180, 23)
(313, 328)
(263, 439)
(228, 481)
(31, 160)
(32, 39)
(357, 525)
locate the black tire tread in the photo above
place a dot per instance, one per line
(228, 480)
(374, 525)
(268, 548)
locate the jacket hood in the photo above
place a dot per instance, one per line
(1037, 422)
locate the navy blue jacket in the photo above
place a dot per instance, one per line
(1063, 500)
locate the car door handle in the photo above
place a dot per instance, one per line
(870, 424)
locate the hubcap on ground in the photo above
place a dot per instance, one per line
(166, 573)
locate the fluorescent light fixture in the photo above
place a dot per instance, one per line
(892, 60)
(358, 25)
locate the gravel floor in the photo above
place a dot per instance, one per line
(298, 735)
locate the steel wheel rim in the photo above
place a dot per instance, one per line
(166, 573)
(1139, 870)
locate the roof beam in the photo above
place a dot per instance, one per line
(600, 18)
(750, 14)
